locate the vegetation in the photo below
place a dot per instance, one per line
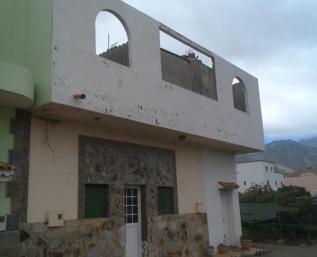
(296, 218)
(284, 195)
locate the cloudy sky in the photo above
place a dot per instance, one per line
(275, 40)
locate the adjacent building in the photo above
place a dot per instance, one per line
(258, 172)
(309, 182)
(125, 153)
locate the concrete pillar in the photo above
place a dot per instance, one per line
(217, 167)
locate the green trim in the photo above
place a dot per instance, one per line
(16, 85)
(5, 204)
(26, 40)
(6, 114)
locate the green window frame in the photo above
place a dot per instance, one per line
(96, 201)
(166, 200)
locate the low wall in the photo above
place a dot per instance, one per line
(78, 238)
(183, 234)
(186, 235)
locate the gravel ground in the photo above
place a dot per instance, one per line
(289, 251)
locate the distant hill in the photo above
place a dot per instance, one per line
(289, 153)
(311, 142)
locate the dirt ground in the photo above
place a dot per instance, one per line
(289, 251)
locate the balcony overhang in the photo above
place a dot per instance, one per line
(16, 85)
(224, 185)
(62, 113)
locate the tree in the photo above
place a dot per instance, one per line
(258, 194)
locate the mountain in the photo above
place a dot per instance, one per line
(284, 170)
(289, 153)
(310, 142)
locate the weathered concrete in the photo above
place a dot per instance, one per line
(119, 54)
(190, 73)
(239, 96)
(138, 93)
(185, 71)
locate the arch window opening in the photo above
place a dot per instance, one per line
(239, 95)
(112, 38)
(188, 68)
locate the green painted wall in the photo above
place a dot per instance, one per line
(26, 39)
(6, 114)
(16, 81)
(5, 204)
(6, 139)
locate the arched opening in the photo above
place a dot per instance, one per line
(239, 95)
(111, 38)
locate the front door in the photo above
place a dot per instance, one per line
(133, 221)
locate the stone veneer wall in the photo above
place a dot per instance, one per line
(17, 189)
(78, 238)
(118, 164)
(186, 234)
(19, 157)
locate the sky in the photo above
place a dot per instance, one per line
(274, 40)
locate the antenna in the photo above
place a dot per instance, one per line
(108, 41)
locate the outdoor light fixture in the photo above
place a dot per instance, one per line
(79, 96)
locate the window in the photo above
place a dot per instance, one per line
(186, 67)
(244, 183)
(275, 183)
(268, 182)
(112, 38)
(266, 168)
(239, 95)
(96, 201)
(131, 205)
(165, 200)
(281, 183)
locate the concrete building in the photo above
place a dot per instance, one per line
(309, 182)
(258, 172)
(127, 153)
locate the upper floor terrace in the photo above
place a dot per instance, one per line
(141, 82)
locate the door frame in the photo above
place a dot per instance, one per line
(227, 196)
(139, 223)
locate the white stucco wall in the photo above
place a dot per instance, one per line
(220, 167)
(53, 174)
(258, 173)
(116, 90)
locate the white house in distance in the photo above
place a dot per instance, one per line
(258, 172)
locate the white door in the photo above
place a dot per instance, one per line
(133, 222)
(225, 216)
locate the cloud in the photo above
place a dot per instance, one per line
(276, 40)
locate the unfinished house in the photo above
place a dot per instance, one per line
(122, 151)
